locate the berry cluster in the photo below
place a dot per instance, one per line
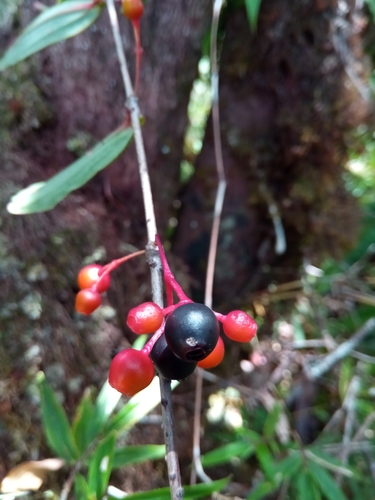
(94, 280)
(185, 335)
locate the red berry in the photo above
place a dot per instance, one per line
(132, 9)
(239, 326)
(145, 318)
(215, 358)
(89, 276)
(130, 372)
(87, 301)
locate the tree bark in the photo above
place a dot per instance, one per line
(291, 96)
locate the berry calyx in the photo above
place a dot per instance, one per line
(87, 301)
(215, 358)
(130, 372)
(239, 326)
(192, 331)
(167, 364)
(89, 277)
(132, 9)
(145, 318)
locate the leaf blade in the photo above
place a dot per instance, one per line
(100, 467)
(55, 422)
(53, 25)
(325, 482)
(226, 453)
(43, 196)
(137, 453)
(252, 10)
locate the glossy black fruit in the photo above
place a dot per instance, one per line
(192, 331)
(167, 364)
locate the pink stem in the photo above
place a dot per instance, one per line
(138, 53)
(168, 310)
(219, 316)
(150, 344)
(168, 275)
(115, 263)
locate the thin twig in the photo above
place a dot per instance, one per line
(349, 406)
(319, 368)
(153, 257)
(219, 201)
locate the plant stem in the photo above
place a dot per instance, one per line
(152, 255)
(318, 369)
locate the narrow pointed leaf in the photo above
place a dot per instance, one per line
(53, 25)
(190, 492)
(224, 454)
(44, 196)
(269, 427)
(55, 422)
(83, 427)
(106, 402)
(262, 489)
(326, 483)
(306, 487)
(287, 467)
(81, 488)
(138, 453)
(100, 467)
(252, 10)
(265, 459)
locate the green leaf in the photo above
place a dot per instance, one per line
(325, 482)
(137, 407)
(306, 487)
(287, 467)
(252, 10)
(90, 419)
(345, 376)
(190, 492)
(271, 421)
(81, 488)
(54, 24)
(100, 467)
(82, 427)
(106, 402)
(56, 425)
(44, 196)
(371, 5)
(226, 453)
(262, 489)
(266, 459)
(138, 453)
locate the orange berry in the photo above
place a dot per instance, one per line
(87, 301)
(239, 326)
(132, 9)
(215, 357)
(89, 276)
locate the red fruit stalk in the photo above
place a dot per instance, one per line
(169, 278)
(138, 53)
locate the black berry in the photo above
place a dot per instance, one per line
(167, 364)
(192, 331)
